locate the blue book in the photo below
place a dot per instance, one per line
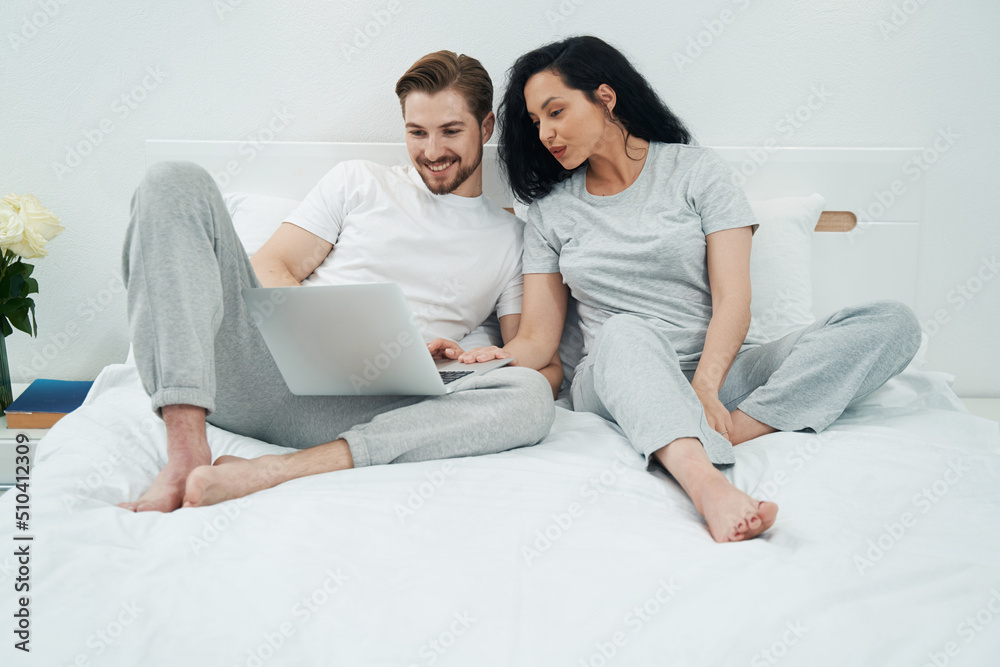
(52, 398)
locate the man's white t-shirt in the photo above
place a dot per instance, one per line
(457, 259)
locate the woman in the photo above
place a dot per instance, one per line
(652, 237)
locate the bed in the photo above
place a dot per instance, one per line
(565, 553)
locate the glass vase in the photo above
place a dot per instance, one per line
(6, 397)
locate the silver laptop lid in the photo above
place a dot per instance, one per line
(344, 340)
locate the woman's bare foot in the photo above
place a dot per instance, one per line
(731, 515)
(187, 448)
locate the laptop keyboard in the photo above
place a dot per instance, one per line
(451, 376)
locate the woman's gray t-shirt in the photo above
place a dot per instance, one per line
(642, 251)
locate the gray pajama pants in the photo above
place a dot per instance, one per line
(195, 343)
(803, 380)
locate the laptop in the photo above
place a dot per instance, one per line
(352, 340)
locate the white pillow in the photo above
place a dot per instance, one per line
(781, 264)
(257, 217)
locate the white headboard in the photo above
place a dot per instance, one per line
(877, 260)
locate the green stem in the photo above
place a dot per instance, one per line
(7, 257)
(4, 261)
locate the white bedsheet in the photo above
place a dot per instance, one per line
(860, 568)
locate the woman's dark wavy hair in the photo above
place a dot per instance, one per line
(583, 63)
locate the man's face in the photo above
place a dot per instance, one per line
(445, 142)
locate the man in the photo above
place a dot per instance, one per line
(428, 227)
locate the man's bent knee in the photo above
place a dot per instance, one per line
(175, 171)
(173, 179)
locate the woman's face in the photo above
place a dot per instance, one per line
(569, 125)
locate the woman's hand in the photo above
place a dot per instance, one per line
(442, 348)
(483, 354)
(715, 412)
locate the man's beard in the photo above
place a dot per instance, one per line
(460, 177)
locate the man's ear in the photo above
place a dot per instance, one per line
(487, 127)
(606, 95)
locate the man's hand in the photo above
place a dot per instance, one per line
(442, 348)
(484, 354)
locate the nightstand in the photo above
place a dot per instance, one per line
(8, 444)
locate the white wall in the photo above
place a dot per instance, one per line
(231, 68)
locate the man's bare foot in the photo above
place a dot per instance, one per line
(231, 477)
(731, 515)
(746, 428)
(187, 448)
(167, 490)
(235, 477)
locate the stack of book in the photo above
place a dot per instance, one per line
(45, 402)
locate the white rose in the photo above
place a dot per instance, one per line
(11, 225)
(39, 226)
(31, 245)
